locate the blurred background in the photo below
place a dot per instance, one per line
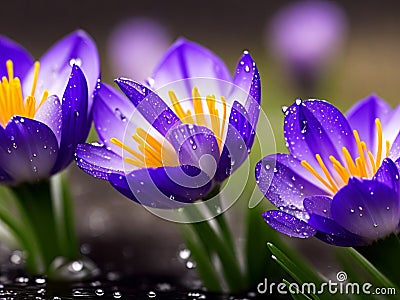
(340, 51)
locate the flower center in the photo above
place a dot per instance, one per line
(364, 166)
(11, 98)
(151, 153)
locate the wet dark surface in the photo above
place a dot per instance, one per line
(128, 288)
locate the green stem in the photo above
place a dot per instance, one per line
(25, 238)
(35, 205)
(216, 245)
(62, 202)
(200, 255)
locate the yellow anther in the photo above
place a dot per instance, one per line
(10, 69)
(198, 107)
(387, 148)
(363, 162)
(35, 77)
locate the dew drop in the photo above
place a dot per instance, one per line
(117, 295)
(285, 110)
(298, 101)
(151, 294)
(247, 68)
(184, 253)
(190, 264)
(99, 292)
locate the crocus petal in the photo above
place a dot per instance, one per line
(247, 79)
(29, 149)
(317, 127)
(111, 114)
(97, 161)
(394, 153)
(367, 208)
(21, 58)
(196, 146)
(319, 209)
(165, 187)
(342, 240)
(238, 142)
(285, 182)
(150, 105)
(362, 118)
(391, 129)
(288, 224)
(50, 113)
(185, 60)
(74, 117)
(55, 65)
(388, 174)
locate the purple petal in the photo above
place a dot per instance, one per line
(186, 59)
(196, 146)
(151, 106)
(247, 78)
(29, 150)
(238, 142)
(111, 114)
(319, 205)
(55, 65)
(394, 153)
(50, 113)
(285, 182)
(388, 174)
(319, 209)
(74, 117)
(165, 187)
(288, 224)
(317, 127)
(362, 118)
(367, 208)
(391, 129)
(343, 240)
(21, 58)
(97, 161)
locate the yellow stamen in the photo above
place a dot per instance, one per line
(11, 97)
(35, 77)
(387, 148)
(360, 152)
(326, 172)
(349, 161)
(120, 144)
(372, 161)
(178, 108)
(365, 165)
(379, 150)
(10, 69)
(198, 107)
(224, 116)
(152, 153)
(310, 169)
(340, 169)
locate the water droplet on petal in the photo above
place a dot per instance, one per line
(99, 292)
(151, 294)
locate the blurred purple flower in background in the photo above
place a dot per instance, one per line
(306, 36)
(135, 46)
(340, 182)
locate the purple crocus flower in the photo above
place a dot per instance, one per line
(340, 182)
(178, 144)
(135, 46)
(45, 110)
(306, 35)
